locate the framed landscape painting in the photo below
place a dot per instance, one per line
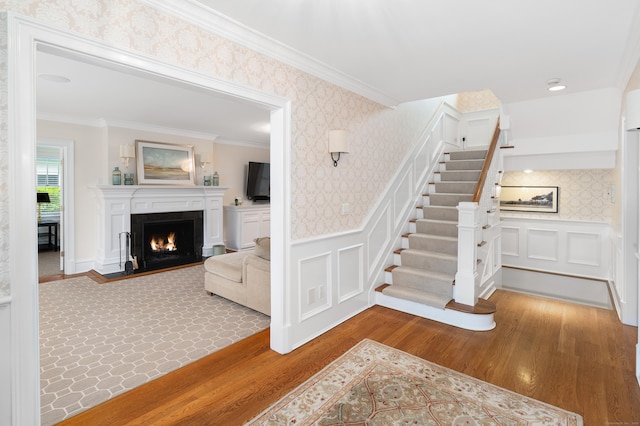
(538, 199)
(160, 163)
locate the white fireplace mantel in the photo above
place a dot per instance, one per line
(116, 204)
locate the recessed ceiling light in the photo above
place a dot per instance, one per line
(54, 78)
(528, 171)
(554, 85)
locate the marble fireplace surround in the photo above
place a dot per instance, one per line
(116, 204)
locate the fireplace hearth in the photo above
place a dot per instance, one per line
(163, 240)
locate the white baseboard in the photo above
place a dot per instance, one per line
(584, 291)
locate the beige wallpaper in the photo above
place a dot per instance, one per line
(380, 136)
(5, 249)
(583, 194)
(480, 100)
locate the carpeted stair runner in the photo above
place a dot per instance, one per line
(428, 266)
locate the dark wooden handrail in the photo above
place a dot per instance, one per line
(487, 163)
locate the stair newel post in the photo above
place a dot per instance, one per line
(465, 290)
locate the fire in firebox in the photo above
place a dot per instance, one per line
(163, 244)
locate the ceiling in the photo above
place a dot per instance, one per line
(402, 50)
(100, 93)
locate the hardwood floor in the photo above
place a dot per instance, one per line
(575, 357)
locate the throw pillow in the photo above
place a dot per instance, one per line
(263, 247)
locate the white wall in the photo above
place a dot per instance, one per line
(230, 161)
(572, 131)
(97, 153)
(568, 249)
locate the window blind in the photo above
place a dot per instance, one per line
(48, 171)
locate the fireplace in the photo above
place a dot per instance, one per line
(162, 240)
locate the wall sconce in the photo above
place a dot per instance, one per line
(338, 143)
(127, 152)
(204, 160)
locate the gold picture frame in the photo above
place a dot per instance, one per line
(159, 163)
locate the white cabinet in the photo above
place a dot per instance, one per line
(243, 224)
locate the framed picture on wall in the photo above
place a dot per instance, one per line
(159, 163)
(537, 199)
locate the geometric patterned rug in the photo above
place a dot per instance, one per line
(373, 384)
(100, 340)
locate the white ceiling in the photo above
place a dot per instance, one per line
(403, 50)
(418, 49)
(100, 93)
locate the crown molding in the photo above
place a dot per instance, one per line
(101, 122)
(249, 144)
(219, 24)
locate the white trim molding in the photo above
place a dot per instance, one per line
(217, 23)
(24, 37)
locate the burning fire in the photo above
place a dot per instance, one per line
(162, 244)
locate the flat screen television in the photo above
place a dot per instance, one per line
(258, 181)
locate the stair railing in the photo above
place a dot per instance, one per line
(472, 218)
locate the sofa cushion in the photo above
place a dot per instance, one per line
(228, 265)
(263, 247)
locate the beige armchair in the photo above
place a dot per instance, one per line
(242, 277)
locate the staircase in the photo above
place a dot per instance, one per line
(424, 275)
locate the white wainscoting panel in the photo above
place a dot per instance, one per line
(378, 238)
(422, 160)
(510, 241)
(402, 197)
(477, 127)
(566, 247)
(315, 288)
(583, 248)
(542, 244)
(350, 279)
(452, 129)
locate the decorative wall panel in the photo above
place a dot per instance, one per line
(510, 241)
(542, 244)
(315, 284)
(378, 238)
(584, 248)
(350, 267)
(402, 197)
(575, 248)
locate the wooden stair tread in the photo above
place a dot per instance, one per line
(507, 147)
(382, 287)
(398, 251)
(390, 268)
(483, 307)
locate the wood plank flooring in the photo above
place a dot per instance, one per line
(575, 357)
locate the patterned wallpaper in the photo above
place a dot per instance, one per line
(582, 194)
(380, 136)
(480, 100)
(5, 252)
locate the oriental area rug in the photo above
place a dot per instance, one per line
(373, 384)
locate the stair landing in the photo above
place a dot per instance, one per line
(475, 318)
